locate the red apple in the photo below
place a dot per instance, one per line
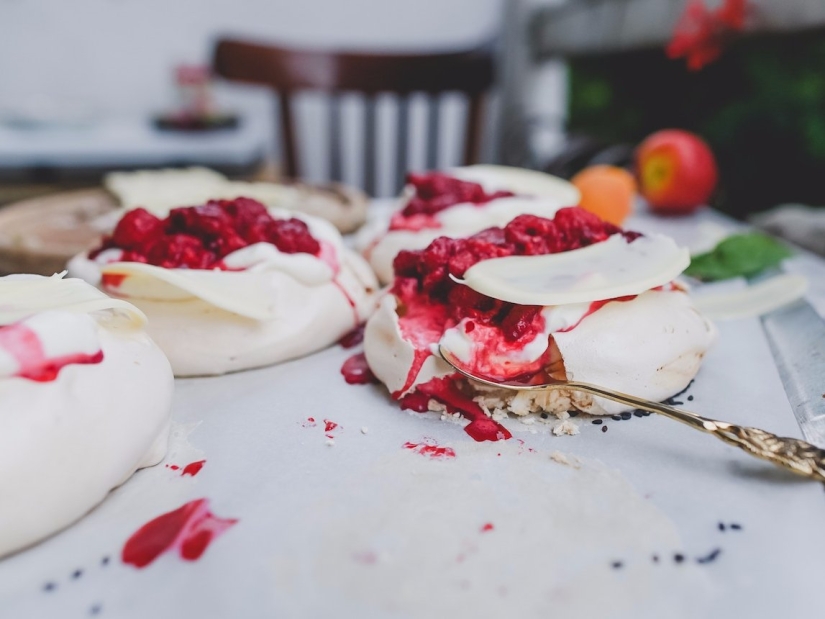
(676, 171)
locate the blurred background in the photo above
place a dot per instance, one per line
(91, 86)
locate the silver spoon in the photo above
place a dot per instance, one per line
(789, 453)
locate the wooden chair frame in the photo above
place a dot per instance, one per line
(288, 71)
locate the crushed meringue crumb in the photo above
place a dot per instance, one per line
(561, 458)
(566, 427)
(330, 442)
(436, 406)
(364, 430)
(501, 402)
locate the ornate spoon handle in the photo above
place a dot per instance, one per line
(789, 453)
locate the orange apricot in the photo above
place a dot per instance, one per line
(606, 191)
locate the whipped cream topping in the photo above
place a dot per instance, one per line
(85, 398)
(537, 194)
(271, 306)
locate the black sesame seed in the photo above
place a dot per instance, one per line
(678, 557)
(49, 586)
(735, 527)
(721, 526)
(676, 402)
(77, 574)
(710, 557)
(104, 560)
(615, 418)
(574, 413)
(626, 416)
(655, 558)
(639, 413)
(690, 398)
(596, 422)
(604, 428)
(544, 415)
(616, 565)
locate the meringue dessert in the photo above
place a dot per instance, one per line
(85, 397)
(572, 297)
(232, 285)
(458, 204)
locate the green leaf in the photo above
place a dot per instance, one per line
(740, 255)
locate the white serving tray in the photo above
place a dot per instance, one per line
(368, 528)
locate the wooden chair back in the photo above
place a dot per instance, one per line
(288, 71)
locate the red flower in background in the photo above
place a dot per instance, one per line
(701, 33)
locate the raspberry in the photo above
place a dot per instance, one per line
(292, 236)
(519, 320)
(435, 192)
(206, 222)
(474, 304)
(179, 250)
(579, 228)
(136, 228)
(532, 236)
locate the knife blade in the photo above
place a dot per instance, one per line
(796, 335)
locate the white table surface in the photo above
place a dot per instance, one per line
(366, 528)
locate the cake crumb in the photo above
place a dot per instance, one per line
(566, 427)
(364, 430)
(331, 442)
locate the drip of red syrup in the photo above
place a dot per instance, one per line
(193, 468)
(25, 346)
(434, 451)
(419, 357)
(596, 306)
(350, 300)
(487, 527)
(353, 338)
(356, 370)
(444, 390)
(189, 530)
(329, 426)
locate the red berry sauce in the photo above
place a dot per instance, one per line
(187, 530)
(435, 192)
(199, 237)
(24, 345)
(430, 302)
(356, 371)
